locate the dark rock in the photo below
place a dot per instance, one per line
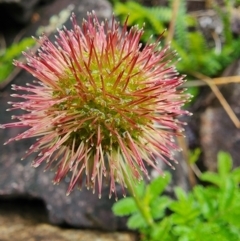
(235, 21)
(23, 221)
(19, 10)
(181, 174)
(217, 131)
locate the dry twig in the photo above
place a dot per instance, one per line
(210, 82)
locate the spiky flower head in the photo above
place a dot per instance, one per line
(103, 106)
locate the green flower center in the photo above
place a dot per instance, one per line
(107, 99)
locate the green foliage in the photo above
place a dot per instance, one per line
(197, 53)
(149, 197)
(154, 18)
(181, 25)
(194, 155)
(209, 212)
(13, 52)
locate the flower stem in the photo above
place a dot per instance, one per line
(144, 210)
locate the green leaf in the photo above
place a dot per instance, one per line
(136, 221)
(194, 155)
(158, 206)
(181, 230)
(224, 163)
(16, 49)
(233, 220)
(180, 194)
(124, 207)
(158, 185)
(236, 175)
(7, 56)
(185, 208)
(231, 216)
(189, 217)
(181, 25)
(5, 70)
(140, 189)
(206, 231)
(135, 11)
(161, 14)
(157, 17)
(162, 229)
(206, 201)
(226, 194)
(211, 178)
